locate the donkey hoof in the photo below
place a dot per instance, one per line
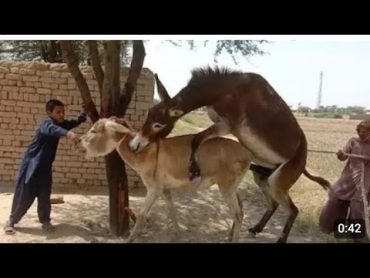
(281, 240)
(252, 233)
(194, 172)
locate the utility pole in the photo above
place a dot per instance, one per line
(320, 90)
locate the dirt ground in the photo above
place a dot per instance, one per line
(203, 218)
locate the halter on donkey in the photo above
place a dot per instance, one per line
(245, 105)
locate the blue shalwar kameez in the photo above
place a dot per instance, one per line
(35, 173)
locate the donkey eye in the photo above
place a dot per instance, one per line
(157, 125)
(93, 131)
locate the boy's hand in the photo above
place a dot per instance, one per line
(82, 117)
(72, 136)
(341, 156)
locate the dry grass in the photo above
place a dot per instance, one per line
(322, 134)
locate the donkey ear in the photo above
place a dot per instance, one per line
(162, 92)
(121, 121)
(173, 112)
(116, 127)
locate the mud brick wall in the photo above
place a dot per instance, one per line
(24, 89)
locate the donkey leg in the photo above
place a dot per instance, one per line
(261, 181)
(236, 210)
(279, 184)
(219, 129)
(150, 198)
(285, 200)
(172, 210)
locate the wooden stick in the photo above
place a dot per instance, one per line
(364, 199)
(56, 200)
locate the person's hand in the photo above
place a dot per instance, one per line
(72, 136)
(82, 117)
(341, 156)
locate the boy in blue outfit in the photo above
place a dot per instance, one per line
(35, 173)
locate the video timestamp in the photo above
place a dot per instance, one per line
(350, 229)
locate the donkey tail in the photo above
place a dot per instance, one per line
(323, 182)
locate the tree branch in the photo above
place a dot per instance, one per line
(133, 75)
(72, 63)
(111, 84)
(95, 61)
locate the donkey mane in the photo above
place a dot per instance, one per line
(203, 75)
(202, 79)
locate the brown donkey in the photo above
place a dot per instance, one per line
(247, 106)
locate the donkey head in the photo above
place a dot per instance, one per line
(160, 120)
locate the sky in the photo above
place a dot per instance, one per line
(291, 66)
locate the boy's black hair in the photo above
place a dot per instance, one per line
(51, 104)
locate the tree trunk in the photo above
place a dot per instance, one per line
(43, 50)
(118, 194)
(114, 103)
(115, 167)
(53, 53)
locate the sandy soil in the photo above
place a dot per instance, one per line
(203, 218)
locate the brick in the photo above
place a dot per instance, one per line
(10, 88)
(63, 87)
(60, 80)
(4, 70)
(6, 160)
(73, 175)
(54, 86)
(81, 181)
(27, 90)
(46, 79)
(43, 73)
(89, 171)
(58, 67)
(65, 75)
(33, 84)
(24, 138)
(58, 175)
(56, 74)
(7, 114)
(27, 72)
(13, 76)
(26, 110)
(21, 83)
(27, 132)
(59, 163)
(8, 102)
(71, 86)
(46, 85)
(14, 121)
(60, 92)
(16, 143)
(43, 91)
(30, 78)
